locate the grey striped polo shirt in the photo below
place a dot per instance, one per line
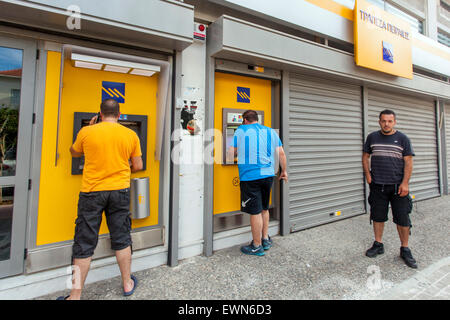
(387, 152)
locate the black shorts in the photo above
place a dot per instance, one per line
(255, 195)
(116, 205)
(379, 198)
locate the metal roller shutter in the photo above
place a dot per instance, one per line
(325, 148)
(417, 119)
(447, 141)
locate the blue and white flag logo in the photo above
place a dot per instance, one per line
(388, 52)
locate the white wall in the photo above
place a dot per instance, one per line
(191, 154)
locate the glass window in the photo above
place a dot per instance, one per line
(444, 38)
(415, 23)
(6, 215)
(10, 82)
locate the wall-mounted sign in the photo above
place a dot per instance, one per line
(382, 40)
(243, 95)
(113, 90)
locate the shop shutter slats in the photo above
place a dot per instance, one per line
(325, 149)
(447, 139)
(416, 118)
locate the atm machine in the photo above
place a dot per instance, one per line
(228, 171)
(137, 123)
(232, 119)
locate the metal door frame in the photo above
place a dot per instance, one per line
(214, 65)
(15, 265)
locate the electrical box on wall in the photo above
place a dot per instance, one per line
(200, 31)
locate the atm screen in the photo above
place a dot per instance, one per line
(229, 140)
(230, 136)
(133, 125)
(137, 123)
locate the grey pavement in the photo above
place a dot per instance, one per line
(321, 263)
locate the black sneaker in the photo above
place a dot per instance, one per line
(376, 249)
(406, 255)
(252, 250)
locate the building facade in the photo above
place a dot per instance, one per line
(183, 72)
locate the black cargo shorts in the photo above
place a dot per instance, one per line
(255, 195)
(116, 205)
(379, 199)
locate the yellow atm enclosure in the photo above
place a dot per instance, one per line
(234, 94)
(81, 93)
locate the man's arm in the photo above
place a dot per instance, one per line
(136, 164)
(75, 154)
(366, 166)
(231, 155)
(403, 189)
(283, 164)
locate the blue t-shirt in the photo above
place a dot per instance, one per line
(256, 145)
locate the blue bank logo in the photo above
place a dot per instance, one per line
(388, 52)
(113, 90)
(243, 94)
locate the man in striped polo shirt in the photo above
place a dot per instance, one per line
(388, 153)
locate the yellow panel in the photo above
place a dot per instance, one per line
(334, 7)
(82, 92)
(372, 27)
(226, 194)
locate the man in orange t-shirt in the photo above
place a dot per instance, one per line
(107, 147)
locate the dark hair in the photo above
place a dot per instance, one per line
(110, 108)
(250, 115)
(387, 111)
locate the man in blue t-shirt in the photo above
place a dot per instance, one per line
(390, 155)
(257, 147)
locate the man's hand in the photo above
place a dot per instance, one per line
(93, 120)
(283, 176)
(75, 154)
(136, 164)
(366, 166)
(403, 190)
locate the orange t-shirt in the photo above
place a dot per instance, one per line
(107, 147)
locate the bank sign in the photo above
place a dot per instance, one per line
(382, 40)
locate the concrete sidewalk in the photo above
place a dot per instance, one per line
(325, 262)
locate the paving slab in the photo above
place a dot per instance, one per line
(322, 263)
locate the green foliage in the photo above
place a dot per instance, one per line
(9, 122)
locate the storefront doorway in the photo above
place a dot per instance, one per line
(17, 69)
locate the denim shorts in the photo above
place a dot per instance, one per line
(116, 205)
(379, 199)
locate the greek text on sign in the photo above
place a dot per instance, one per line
(365, 16)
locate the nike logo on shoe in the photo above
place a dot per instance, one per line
(245, 203)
